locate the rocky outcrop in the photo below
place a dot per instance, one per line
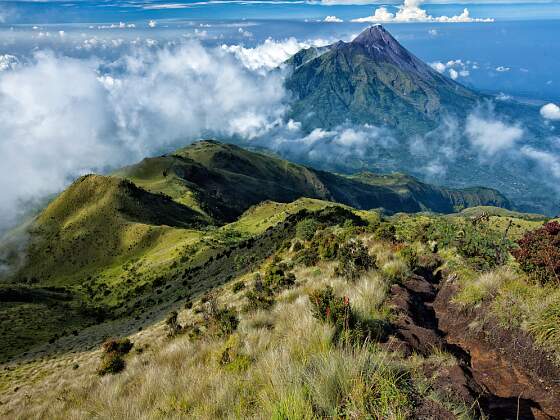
(504, 362)
(499, 371)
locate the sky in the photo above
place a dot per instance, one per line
(90, 86)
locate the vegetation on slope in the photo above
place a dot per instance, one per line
(306, 332)
(371, 80)
(223, 181)
(119, 246)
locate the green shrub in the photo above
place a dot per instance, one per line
(112, 360)
(277, 277)
(354, 260)
(238, 286)
(111, 364)
(226, 321)
(120, 346)
(306, 229)
(337, 311)
(172, 325)
(482, 246)
(539, 253)
(327, 245)
(385, 232)
(324, 246)
(410, 256)
(307, 257)
(259, 299)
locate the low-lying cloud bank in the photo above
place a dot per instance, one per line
(271, 53)
(62, 117)
(410, 11)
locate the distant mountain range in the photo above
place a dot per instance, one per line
(373, 80)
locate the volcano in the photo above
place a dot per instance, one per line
(372, 80)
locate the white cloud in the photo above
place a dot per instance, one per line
(438, 66)
(55, 123)
(152, 23)
(548, 162)
(455, 68)
(271, 53)
(491, 135)
(333, 19)
(438, 149)
(410, 11)
(61, 118)
(548, 111)
(502, 69)
(8, 62)
(330, 147)
(120, 25)
(504, 97)
(245, 33)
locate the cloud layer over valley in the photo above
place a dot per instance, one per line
(62, 117)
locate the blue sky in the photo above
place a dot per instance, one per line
(17, 12)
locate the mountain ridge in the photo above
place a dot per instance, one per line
(211, 171)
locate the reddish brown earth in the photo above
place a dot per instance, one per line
(500, 371)
(505, 362)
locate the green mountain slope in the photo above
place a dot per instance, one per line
(317, 314)
(99, 220)
(371, 80)
(125, 244)
(223, 181)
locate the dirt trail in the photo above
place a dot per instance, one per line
(499, 371)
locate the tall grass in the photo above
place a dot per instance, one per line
(484, 287)
(291, 369)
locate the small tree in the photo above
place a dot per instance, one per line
(112, 359)
(539, 253)
(354, 260)
(172, 325)
(306, 229)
